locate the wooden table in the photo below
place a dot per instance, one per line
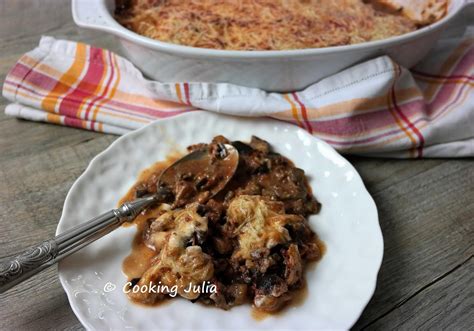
(426, 207)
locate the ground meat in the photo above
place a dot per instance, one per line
(196, 147)
(259, 145)
(293, 265)
(271, 294)
(263, 172)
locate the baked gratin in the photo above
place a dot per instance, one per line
(248, 244)
(275, 24)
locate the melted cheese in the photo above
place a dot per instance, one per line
(260, 224)
(177, 263)
(263, 24)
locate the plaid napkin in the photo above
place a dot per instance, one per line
(375, 108)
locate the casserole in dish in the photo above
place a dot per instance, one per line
(280, 70)
(265, 25)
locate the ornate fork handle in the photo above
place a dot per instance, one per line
(33, 258)
(47, 253)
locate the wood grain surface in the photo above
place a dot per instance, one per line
(426, 207)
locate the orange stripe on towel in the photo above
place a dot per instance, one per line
(67, 80)
(53, 118)
(294, 110)
(303, 112)
(177, 87)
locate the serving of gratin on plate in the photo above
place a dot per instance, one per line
(244, 257)
(249, 243)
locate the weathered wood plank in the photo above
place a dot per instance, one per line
(32, 191)
(40, 304)
(445, 305)
(427, 224)
(34, 186)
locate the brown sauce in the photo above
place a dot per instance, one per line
(151, 173)
(141, 256)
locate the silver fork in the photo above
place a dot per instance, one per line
(49, 252)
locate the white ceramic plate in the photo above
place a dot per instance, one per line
(339, 286)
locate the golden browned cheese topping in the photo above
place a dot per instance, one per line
(176, 263)
(260, 223)
(264, 24)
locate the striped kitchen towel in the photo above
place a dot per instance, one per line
(375, 108)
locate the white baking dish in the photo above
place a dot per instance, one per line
(269, 70)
